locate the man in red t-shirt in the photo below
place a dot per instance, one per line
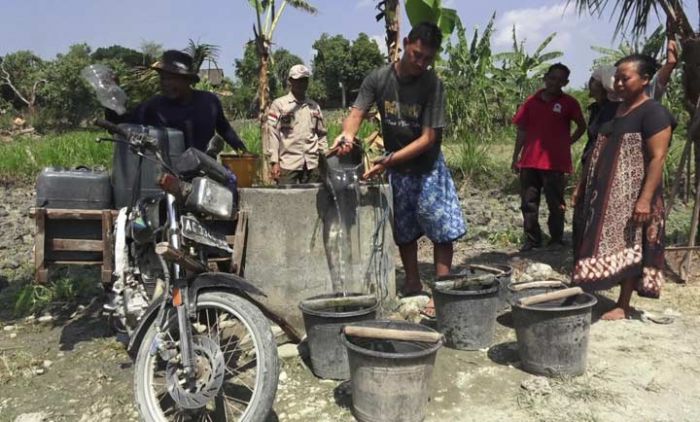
(544, 138)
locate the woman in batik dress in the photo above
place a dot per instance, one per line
(619, 204)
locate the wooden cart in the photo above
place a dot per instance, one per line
(94, 245)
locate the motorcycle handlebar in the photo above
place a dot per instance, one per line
(111, 127)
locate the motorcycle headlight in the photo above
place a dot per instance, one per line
(211, 198)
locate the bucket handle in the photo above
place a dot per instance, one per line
(391, 334)
(488, 268)
(536, 284)
(548, 297)
(463, 281)
(321, 304)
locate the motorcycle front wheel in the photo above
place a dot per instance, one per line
(236, 365)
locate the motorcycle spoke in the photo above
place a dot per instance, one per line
(239, 366)
(237, 348)
(228, 404)
(221, 403)
(238, 379)
(210, 327)
(237, 401)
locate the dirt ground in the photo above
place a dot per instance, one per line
(70, 366)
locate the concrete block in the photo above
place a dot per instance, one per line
(294, 250)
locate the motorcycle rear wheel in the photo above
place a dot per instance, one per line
(243, 336)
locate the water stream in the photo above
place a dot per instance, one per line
(342, 177)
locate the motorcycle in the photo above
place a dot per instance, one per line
(203, 346)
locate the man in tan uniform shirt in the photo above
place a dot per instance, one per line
(297, 132)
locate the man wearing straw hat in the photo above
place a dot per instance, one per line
(198, 114)
(297, 132)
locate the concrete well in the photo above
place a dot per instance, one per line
(293, 250)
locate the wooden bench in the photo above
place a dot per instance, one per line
(52, 250)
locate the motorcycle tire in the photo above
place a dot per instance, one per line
(258, 328)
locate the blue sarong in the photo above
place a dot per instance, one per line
(426, 204)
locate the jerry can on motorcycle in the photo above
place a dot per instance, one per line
(125, 163)
(80, 188)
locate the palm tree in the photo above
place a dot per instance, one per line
(633, 15)
(202, 52)
(651, 46)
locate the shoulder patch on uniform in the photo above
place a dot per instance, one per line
(272, 117)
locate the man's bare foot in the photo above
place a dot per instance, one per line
(429, 310)
(615, 314)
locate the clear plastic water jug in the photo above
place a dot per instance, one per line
(109, 94)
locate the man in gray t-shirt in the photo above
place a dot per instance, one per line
(409, 97)
(406, 105)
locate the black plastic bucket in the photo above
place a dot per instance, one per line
(504, 280)
(329, 358)
(467, 316)
(390, 379)
(517, 291)
(553, 336)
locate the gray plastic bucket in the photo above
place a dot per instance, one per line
(329, 358)
(390, 379)
(467, 318)
(553, 336)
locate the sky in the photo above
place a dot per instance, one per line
(48, 27)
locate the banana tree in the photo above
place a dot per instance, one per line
(417, 11)
(468, 75)
(432, 11)
(267, 18)
(524, 71)
(390, 11)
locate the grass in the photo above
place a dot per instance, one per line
(249, 130)
(482, 159)
(507, 237)
(70, 286)
(24, 157)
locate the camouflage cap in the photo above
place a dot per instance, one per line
(299, 71)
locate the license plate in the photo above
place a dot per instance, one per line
(194, 230)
